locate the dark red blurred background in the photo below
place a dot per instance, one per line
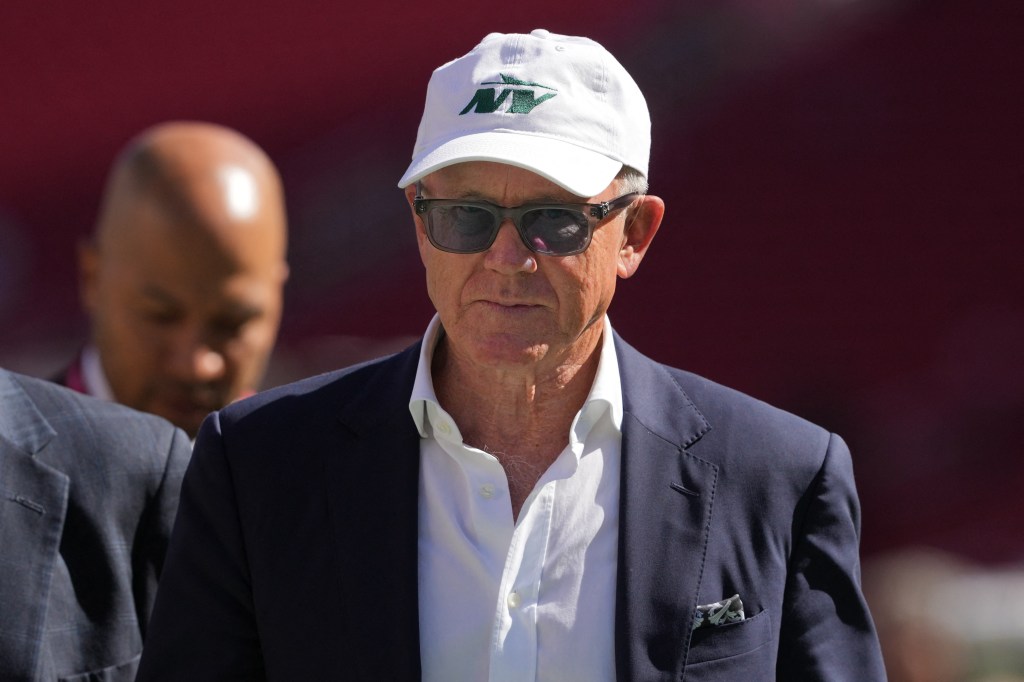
(843, 180)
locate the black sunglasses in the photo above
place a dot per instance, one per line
(460, 226)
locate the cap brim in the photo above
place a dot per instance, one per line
(581, 171)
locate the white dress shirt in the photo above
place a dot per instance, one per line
(509, 601)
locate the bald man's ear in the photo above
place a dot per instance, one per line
(642, 222)
(88, 274)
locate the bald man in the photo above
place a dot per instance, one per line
(183, 278)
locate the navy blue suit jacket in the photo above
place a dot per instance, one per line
(88, 494)
(294, 555)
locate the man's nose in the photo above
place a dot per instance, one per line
(508, 254)
(194, 360)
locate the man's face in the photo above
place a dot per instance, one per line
(507, 307)
(183, 324)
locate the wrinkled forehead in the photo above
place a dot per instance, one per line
(200, 287)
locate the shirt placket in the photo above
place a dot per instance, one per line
(514, 646)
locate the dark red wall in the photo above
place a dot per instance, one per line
(843, 180)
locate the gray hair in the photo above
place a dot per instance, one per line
(631, 180)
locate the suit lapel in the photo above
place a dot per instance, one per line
(666, 502)
(373, 474)
(665, 512)
(33, 503)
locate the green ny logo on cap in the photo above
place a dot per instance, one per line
(487, 101)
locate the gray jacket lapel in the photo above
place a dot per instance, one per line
(33, 503)
(666, 503)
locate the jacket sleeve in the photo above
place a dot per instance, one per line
(827, 632)
(203, 625)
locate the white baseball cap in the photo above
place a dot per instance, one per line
(559, 106)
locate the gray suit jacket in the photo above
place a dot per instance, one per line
(294, 555)
(88, 493)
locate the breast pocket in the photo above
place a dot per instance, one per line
(738, 650)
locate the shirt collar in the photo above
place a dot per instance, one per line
(423, 388)
(92, 375)
(605, 393)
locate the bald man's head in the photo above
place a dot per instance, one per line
(183, 278)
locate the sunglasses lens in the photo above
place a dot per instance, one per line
(461, 228)
(556, 231)
(472, 227)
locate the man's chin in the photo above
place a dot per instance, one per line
(188, 417)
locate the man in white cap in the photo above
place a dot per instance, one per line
(522, 495)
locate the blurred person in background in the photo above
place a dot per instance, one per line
(88, 494)
(904, 591)
(944, 618)
(522, 495)
(182, 280)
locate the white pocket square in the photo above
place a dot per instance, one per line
(720, 613)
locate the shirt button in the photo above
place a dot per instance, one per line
(487, 491)
(444, 428)
(513, 600)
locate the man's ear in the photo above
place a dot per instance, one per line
(410, 194)
(88, 273)
(421, 230)
(641, 226)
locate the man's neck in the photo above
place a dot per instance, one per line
(519, 415)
